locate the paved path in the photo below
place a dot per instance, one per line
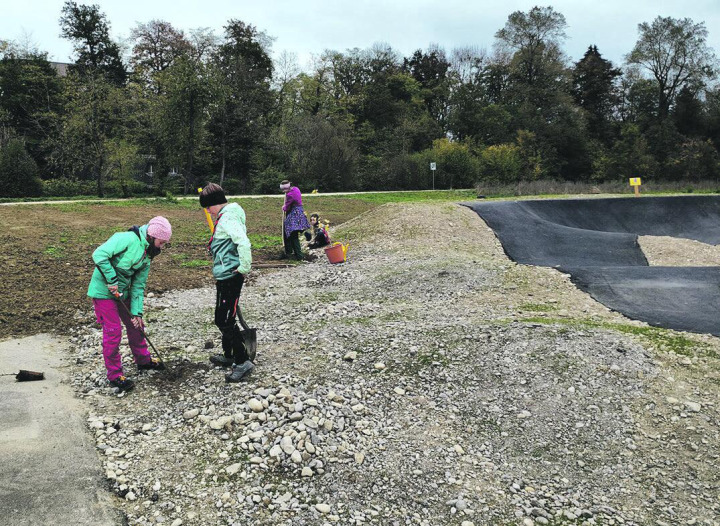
(248, 196)
(595, 241)
(49, 470)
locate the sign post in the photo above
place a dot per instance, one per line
(432, 168)
(636, 182)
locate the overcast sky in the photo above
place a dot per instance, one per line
(307, 27)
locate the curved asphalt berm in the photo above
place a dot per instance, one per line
(595, 241)
(530, 235)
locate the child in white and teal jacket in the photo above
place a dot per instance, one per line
(232, 258)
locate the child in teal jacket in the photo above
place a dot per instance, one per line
(122, 264)
(232, 258)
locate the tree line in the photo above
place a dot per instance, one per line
(180, 108)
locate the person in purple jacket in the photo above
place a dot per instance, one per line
(294, 220)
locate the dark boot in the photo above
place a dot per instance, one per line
(221, 360)
(153, 364)
(239, 371)
(122, 383)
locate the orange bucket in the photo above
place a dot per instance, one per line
(336, 253)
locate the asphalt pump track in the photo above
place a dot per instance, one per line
(595, 241)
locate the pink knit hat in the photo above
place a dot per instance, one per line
(159, 228)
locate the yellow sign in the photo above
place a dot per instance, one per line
(635, 181)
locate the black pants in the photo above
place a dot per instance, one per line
(292, 244)
(318, 243)
(228, 294)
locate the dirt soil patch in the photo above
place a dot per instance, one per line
(677, 252)
(46, 264)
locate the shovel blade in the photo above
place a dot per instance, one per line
(249, 336)
(29, 376)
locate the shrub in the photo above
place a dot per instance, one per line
(64, 187)
(694, 160)
(501, 163)
(456, 166)
(267, 181)
(125, 188)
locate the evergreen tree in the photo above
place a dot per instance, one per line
(239, 123)
(594, 90)
(688, 114)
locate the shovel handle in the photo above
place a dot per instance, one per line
(141, 329)
(241, 319)
(207, 216)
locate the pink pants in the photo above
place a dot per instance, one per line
(109, 314)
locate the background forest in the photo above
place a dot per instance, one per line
(172, 109)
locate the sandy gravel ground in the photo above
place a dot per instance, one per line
(430, 381)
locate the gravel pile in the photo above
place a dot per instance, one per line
(428, 381)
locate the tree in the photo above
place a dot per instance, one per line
(87, 28)
(18, 172)
(630, 156)
(323, 155)
(242, 74)
(537, 92)
(430, 70)
(386, 99)
(95, 112)
(30, 99)
(471, 118)
(712, 105)
(350, 73)
(123, 164)
(157, 44)
(694, 160)
(181, 111)
(531, 156)
(638, 100)
(532, 35)
(675, 53)
(466, 63)
(688, 114)
(594, 90)
(285, 86)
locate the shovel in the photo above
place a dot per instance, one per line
(26, 376)
(249, 337)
